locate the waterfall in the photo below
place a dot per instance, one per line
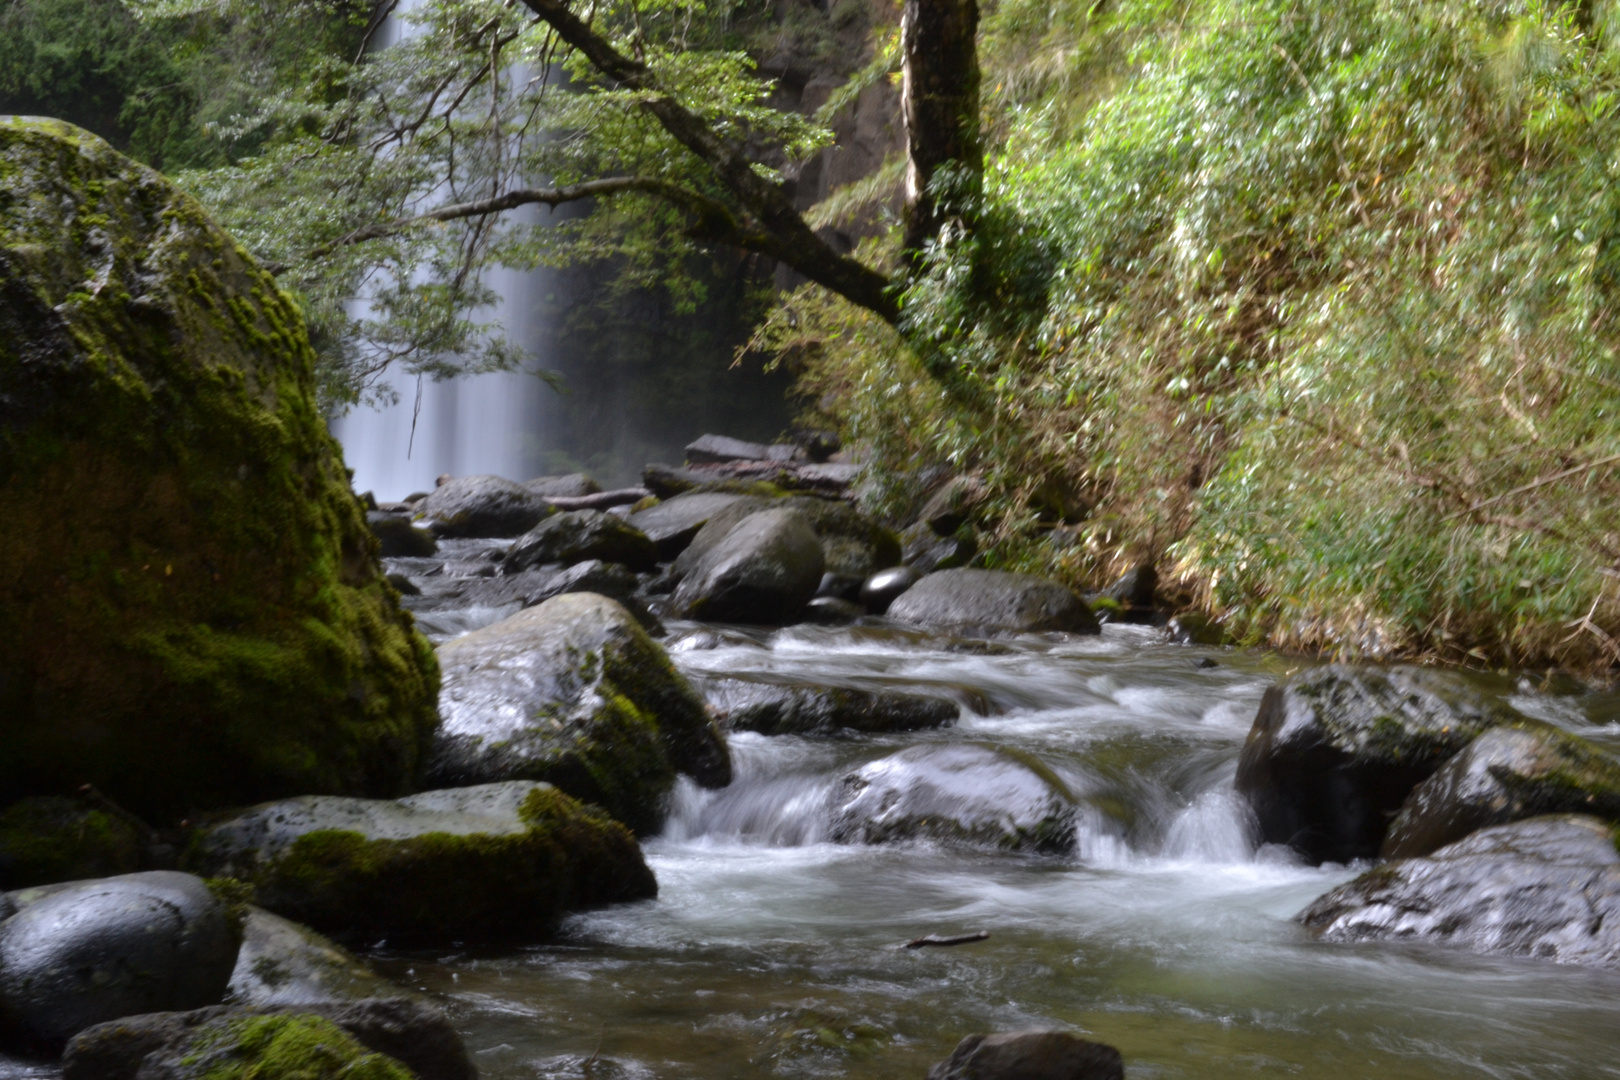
(485, 423)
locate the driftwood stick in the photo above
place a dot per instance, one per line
(940, 942)
(599, 501)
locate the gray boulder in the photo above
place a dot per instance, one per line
(925, 550)
(1507, 774)
(715, 449)
(1547, 887)
(1030, 1055)
(399, 538)
(495, 861)
(672, 524)
(992, 601)
(958, 793)
(93, 951)
(1335, 751)
(853, 545)
(284, 963)
(571, 486)
(578, 535)
(574, 692)
(483, 506)
(764, 571)
(806, 709)
(717, 528)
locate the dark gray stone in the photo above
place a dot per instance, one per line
(959, 793)
(1136, 587)
(399, 538)
(992, 601)
(764, 571)
(713, 449)
(839, 586)
(831, 611)
(49, 838)
(97, 950)
(1507, 774)
(284, 963)
(1335, 751)
(950, 507)
(578, 535)
(1547, 887)
(927, 551)
(672, 524)
(717, 528)
(483, 506)
(805, 709)
(573, 692)
(572, 486)
(882, 588)
(1030, 1055)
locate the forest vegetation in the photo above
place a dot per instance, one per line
(1310, 305)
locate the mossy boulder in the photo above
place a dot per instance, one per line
(575, 693)
(1507, 774)
(495, 861)
(191, 609)
(49, 838)
(1335, 751)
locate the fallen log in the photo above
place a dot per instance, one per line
(939, 942)
(601, 500)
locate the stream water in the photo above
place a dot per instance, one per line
(771, 951)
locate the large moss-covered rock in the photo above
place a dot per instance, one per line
(1334, 752)
(1507, 774)
(49, 838)
(495, 861)
(191, 609)
(575, 693)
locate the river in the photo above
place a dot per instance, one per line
(772, 951)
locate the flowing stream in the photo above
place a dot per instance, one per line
(772, 951)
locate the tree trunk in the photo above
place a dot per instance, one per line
(941, 105)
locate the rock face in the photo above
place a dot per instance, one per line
(959, 793)
(1334, 752)
(191, 609)
(49, 839)
(1030, 1055)
(97, 950)
(1548, 887)
(578, 535)
(764, 571)
(1507, 774)
(673, 523)
(496, 861)
(574, 692)
(572, 486)
(483, 506)
(803, 709)
(993, 601)
(283, 963)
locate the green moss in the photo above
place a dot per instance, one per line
(49, 839)
(298, 1046)
(193, 613)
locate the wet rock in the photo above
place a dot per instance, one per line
(992, 601)
(50, 839)
(578, 535)
(831, 611)
(284, 963)
(202, 620)
(806, 709)
(717, 528)
(1335, 751)
(1030, 1055)
(839, 586)
(927, 551)
(961, 793)
(1135, 588)
(398, 538)
(93, 951)
(483, 506)
(572, 486)
(494, 861)
(369, 1040)
(950, 507)
(764, 571)
(666, 482)
(574, 692)
(853, 545)
(1547, 887)
(612, 580)
(672, 524)
(1507, 774)
(1197, 628)
(880, 590)
(712, 449)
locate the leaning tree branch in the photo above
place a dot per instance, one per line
(782, 233)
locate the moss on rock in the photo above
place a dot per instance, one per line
(50, 839)
(191, 608)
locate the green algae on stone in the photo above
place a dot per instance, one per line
(288, 1046)
(191, 609)
(51, 839)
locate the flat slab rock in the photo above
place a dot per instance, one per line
(993, 601)
(284, 963)
(806, 709)
(1547, 888)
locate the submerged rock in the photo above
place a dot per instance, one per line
(992, 601)
(1335, 751)
(93, 951)
(763, 571)
(1030, 1055)
(1507, 774)
(578, 535)
(1548, 887)
(962, 793)
(496, 861)
(805, 709)
(284, 963)
(483, 506)
(50, 839)
(574, 692)
(191, 609)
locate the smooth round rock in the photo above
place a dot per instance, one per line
(98, 950)
(763, 571)
(578, 535)
(884, 587)
(993, 601)
(483, 506)
(1030, 1055)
